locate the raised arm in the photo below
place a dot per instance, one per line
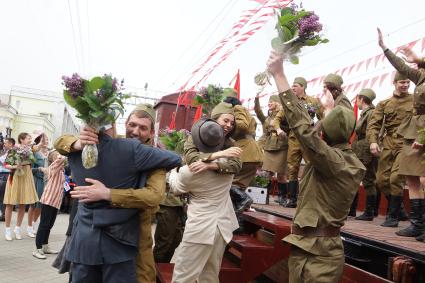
(258, 111)
(416, 76)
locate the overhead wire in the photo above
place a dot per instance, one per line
(80, 35)
(77, 57)
(193, 63)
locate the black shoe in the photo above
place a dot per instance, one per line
(402, 216)
(421, 237)
(293, 194)
(368, 213)
(416, 227)
(353, 208)
(240, 199)
(393, 212)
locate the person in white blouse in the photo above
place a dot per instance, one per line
(211, 218)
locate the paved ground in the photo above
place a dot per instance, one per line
(17, 263)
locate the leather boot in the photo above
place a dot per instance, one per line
(353, 208)
(369, 210)
(416, 227)
(283, 190)
(240, 199)
(293, 194)
(393, 212)
(402, 216)
(377, 204)
(421, 237)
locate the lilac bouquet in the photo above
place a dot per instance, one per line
(296, 28)
(19, 156)
(98, 101)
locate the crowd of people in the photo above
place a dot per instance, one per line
(109, 234)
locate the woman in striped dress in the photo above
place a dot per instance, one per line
(50, 203)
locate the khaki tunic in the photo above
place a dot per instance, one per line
(389, 114)
(146, 199)
(411, 159)
(275, 147)
(331, 180)
(191, 154)
(252, 154)
(342, 100)
(295, 153)
(361, 148)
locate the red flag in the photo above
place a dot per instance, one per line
(198, 114)
(172, 125)
(237, 86)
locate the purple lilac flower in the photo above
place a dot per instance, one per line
(74, 85)
(309, 25)
(114, 85)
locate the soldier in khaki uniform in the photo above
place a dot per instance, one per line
(138, 125)
(389, 114)
(331, 179)
(333, 84)
(252, 155)
(295, 153)
(411, 156)
(361, 149)
(275, 146)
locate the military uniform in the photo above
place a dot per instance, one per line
(389, 114)
(361, 148)
(244, 136)
(411, 160)
(331, 179)
(275, 147)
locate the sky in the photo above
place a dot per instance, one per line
(161, 42)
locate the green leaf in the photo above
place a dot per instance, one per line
(325, 40)
(96, 83)
(312, 42)
(286, 19)
(110, 100)
(92, 101)
(286, 11)
(294, 60)
(287, 34)
(82, 106)
(96, 114)
(69, 99)
(277, 44)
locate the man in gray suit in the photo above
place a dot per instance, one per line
(104, 242)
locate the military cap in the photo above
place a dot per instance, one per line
(221, 108)
(230, 92)
(334, 79)
(301, 81)
(339, 124)
(399, 77)
(147, 108)
(275, 98)
(369, 93)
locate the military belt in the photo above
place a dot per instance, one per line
(315, 231)
(420, 111)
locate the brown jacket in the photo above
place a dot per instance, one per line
(360, 145)
(395, 109)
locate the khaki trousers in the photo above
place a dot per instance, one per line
(305, 267)
(199, 261)
(387, 179)
(247, 173)
(145, 264)
(295, 156)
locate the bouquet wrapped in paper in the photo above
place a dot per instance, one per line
(98, 101)
(296, 28)
(19, 156)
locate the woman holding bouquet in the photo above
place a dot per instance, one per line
(20, 189)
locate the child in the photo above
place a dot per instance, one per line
(50, 203)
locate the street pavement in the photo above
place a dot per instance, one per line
(17, 263)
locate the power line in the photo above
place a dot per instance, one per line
(80, 35)
(73, 36)
(192, 63)
(88, 38)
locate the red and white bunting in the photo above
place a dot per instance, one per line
(373, 81)
(383, 77)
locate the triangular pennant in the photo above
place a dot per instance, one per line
(383, 77)
(373, 81)
(368, 62)
(377, 57)
(359, 65)
(365, 82)
(356, 86)
(351, 69)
